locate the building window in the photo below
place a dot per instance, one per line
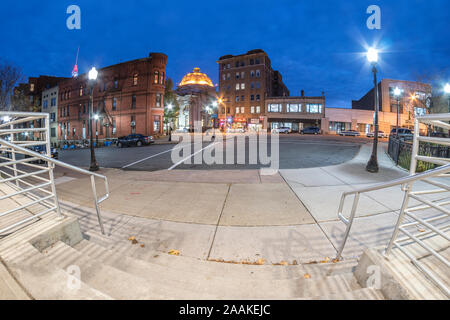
(53, 132)
(252, 74)
(258, 85)
(252, 109)
(135, 79)
(53, 102)
(104, 86)
(81, 91)
(258, 109)
(84, 108)
(252, 62)
(156, 123)
(228, 76)
(258, 74)
(133, 101)
(156, 77)
(133, 124)
(158, 100)
(237, 86)
(237, 109)
(237, 75)
(252, 97)
(242, 75)
(228, 66)
(242, 110)
(420, 111)
(314, 108)
(114, 128)
(224, 77)
(237, 99)
(45, 104)
(32, 87)
(252, 85)
(257, 97)
(116, 83)
(293, 108)
(52, 117)
(114, 104)
(242, 86)
(162, 78)
(257, 61)
(274, 107)
(68, 110)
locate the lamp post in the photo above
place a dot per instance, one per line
(220, 101)
(372, 57)
(169, 130)
(397, 93)
(447, 92)
(96, 117)
(93, 73)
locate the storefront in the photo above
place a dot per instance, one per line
(255, 124)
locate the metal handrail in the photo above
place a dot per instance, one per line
(401, 181)
(406, 183)
(97, 200)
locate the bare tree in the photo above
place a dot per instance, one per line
(10, 76)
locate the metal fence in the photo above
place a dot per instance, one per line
(400, 152)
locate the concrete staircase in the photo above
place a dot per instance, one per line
(41, 257)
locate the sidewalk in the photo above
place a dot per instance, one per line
(236, 215)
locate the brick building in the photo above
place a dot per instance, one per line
(128, 98)
(244, 83)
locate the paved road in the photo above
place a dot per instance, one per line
(295, 152)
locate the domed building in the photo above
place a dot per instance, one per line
(196, 96)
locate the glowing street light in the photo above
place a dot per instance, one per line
(6, 118)
(447, 88)
(93, 73)
(372, 57)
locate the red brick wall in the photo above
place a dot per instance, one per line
(145, 91)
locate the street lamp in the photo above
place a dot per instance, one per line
(169, 130)
(447, 92)
(372, 57)
(96, 117)
(92, 76)
(397, 93)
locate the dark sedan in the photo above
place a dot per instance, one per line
(135, 139)
(310, 130)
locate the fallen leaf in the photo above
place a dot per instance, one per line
(132, 238)
(326, 260)
(307, 276)
(260, 261)
(421, 230)
(294, 262)
(134, 241)
(335, 260)
(142, 245)
(284, 263)
(174, 252)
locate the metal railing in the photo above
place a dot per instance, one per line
(18, 170)
(437, 225)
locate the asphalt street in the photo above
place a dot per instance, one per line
(295, 151)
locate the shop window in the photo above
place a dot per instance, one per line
(273, 107)
(293, 108)
(314, 108)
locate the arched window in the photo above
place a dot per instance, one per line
(135, 79)
(156, 77)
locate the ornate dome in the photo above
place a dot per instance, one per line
(196, 78)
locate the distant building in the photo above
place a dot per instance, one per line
(128, 98)
(50, 105)
(294, 112)
(414, 100)
(196, 95)
(245, 81)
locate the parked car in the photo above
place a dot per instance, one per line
(352, 133)
(43, 150)
(134, 139)
(381, 134)
(403, 134)
(282, 130)
(310, 130)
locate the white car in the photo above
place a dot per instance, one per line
(381, 134)
(352, 133)
(282, 130)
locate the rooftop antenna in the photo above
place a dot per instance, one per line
(75, 68)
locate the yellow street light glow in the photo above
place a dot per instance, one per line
(372, 55)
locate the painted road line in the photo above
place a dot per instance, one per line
(142, 160)
(183, 160)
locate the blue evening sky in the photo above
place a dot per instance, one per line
(317, 45)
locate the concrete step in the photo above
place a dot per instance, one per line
(231, 287)
(115, 282)
(42, 279)
(220, 269)
(9, 287)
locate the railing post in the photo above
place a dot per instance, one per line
(50, 165)
(415, 148)
(13, 155)
(349, 226)
(94, 190)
